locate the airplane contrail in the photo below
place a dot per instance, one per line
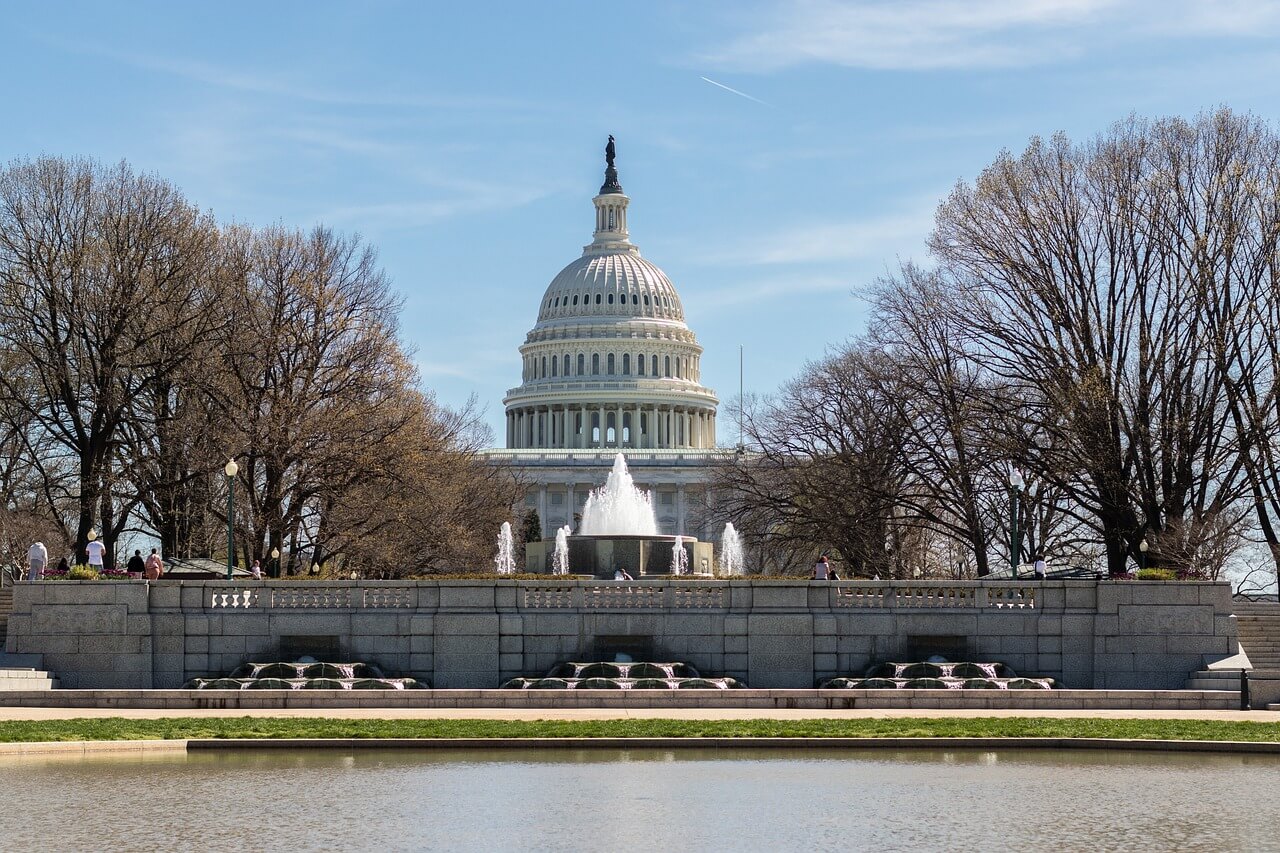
(735, 91)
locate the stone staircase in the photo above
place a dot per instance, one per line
(6, 607)
(19, 672)
(1258, 626)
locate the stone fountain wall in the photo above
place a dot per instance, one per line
(770, 634)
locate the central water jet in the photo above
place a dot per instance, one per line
(619, 532)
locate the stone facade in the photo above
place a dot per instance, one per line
(770, 634)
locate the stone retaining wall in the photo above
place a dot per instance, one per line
(1069, 700)
(771, 634)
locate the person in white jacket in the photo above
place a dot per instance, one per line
(37, 559)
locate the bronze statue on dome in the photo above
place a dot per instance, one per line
(609, 152)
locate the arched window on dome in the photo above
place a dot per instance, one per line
(646, 299)
(635, 299)
(679, 368)
(582, 362)
(595, 364)
(610, 300)
(610, 370)
(667, 368)
(565, 369)
(555, 366)
(640, 365)
(575, 299)
(654, 371)
(626, 364)
(597, 299)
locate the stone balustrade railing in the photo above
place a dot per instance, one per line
(625, 595)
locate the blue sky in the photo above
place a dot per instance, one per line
(465, 140)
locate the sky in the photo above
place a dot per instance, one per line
(779, 156)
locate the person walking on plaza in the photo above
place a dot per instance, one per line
(154, 568)
(821, 569)
(95, 551)
(136, 566)
(37, 559)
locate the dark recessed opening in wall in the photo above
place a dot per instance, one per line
(607, 647)
(322, 648)
(923, 648)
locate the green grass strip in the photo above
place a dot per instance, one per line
(119, 728)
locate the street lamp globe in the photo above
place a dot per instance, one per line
(231, 469)
(275, 553)
(1143, 546)
(1015, 479)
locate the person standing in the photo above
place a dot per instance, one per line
(256, 570)
(154, 567)
(95, 551)
(1039, 567)
(37, 559)
(136, 565)
(821, 569)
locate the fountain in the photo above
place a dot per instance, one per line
(305, 674)
(560, 560)
(731, 562)
(619, 531)
(505, 560)
(623, 675)
(679, 557)
(939, 675)
(619, 508)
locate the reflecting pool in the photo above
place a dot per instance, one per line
(606, 800)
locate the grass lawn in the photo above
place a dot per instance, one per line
(118, 728)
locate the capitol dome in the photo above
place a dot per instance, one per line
(610, 362)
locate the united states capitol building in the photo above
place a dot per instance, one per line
(610, 365)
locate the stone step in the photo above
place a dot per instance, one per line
(26, 679)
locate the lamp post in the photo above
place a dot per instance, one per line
(1142, 553)
(275, 559)
(1015, 541)
(231, 470)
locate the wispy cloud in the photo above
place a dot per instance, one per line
(282, 84)
(879, 237)
(734, 91)
(944, 34)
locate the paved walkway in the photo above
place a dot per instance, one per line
(617, 714)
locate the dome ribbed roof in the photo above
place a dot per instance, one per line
(611, 284)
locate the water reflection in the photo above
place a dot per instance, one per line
(599, 799)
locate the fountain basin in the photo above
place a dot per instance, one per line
(639, 555)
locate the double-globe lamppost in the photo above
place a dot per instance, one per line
(231, 470)
(1142, 553)
(275, 561)
(1016, 484)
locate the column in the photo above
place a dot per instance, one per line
(582, 436)
(652, 437)
(603, 434)
(637, 439)
(572, 498)
(542, 508)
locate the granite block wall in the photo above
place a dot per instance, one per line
(768, 633)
